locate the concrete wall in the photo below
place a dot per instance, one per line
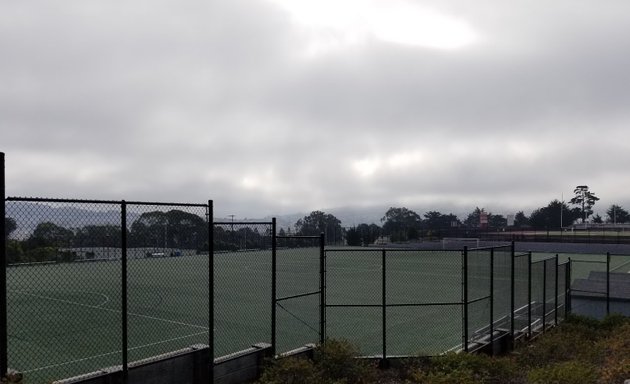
(190, 366)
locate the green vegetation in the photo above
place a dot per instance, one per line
(580, 351)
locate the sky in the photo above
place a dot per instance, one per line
(271, 107)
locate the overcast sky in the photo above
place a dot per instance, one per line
(280, 106)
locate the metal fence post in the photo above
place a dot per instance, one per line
(274, 278)
(607, 283)
(322, 288)
(4, 359)
(529, 293)
(125, 325)
(544, 301)
(555, 301)
(465, 298)
(384, 306)
(568, 298)
(211, 335)
(491, 302)
(512, 289)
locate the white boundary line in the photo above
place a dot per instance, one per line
(110, 310)
(111, 353)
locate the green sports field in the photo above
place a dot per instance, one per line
(65, 319)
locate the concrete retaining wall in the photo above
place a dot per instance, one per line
(190, 366)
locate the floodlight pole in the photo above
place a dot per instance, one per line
(561, 210)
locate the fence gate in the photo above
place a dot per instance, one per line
(298, 292)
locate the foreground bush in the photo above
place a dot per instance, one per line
(580, 351)
(334, 362)
(467, 368)
(570, 372)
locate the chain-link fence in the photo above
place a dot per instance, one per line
(299, 295)
(599, 284)
(243, 285)
(95, 284)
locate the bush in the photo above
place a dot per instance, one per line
(290, 371)
(570, 372)
(616, 366)
(577, 339)
(467, 368)
(334, 362)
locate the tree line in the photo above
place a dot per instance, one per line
(178, 229)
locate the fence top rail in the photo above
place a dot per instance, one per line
(241, 223)
(298, 237)
(487, 248)
(588, 261)
(89, 201)
(545, 260)
(375, 249)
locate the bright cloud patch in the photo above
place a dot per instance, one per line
(336, 23)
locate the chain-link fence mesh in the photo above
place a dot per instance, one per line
(64, 281)
(563, 273)
(354, 295)
(66, 264)
(242, 285)
(537, 294)
(551, 287)
(588, 286)
(502, 287)
(423, 297)
(167, 278)
(521, 293)
(298, 310)
(479, 297)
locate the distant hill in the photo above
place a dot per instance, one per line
(28, 215)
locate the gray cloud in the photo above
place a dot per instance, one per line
(215, 100)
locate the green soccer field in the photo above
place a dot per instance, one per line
(66, 319)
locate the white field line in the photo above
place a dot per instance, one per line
(111, 310)
(111, 353)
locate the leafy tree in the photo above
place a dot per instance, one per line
(616, 214)
(15, 252)
(597, 219)
(48, 234)
(172, 229)
(368, 233)
(520, 220)
(497, 221)
(317, 222)
(401, 224)
(549, 216)
(9, 226)
(99, 236)
(436, 220)
(584, 198)
(472, 220)
(353, 237)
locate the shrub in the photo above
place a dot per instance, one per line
(467, 368)
(337, 359)
(571, 341)
(570, 372)
(290, 371)
(616, 366)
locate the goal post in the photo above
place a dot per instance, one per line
(459, 242)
